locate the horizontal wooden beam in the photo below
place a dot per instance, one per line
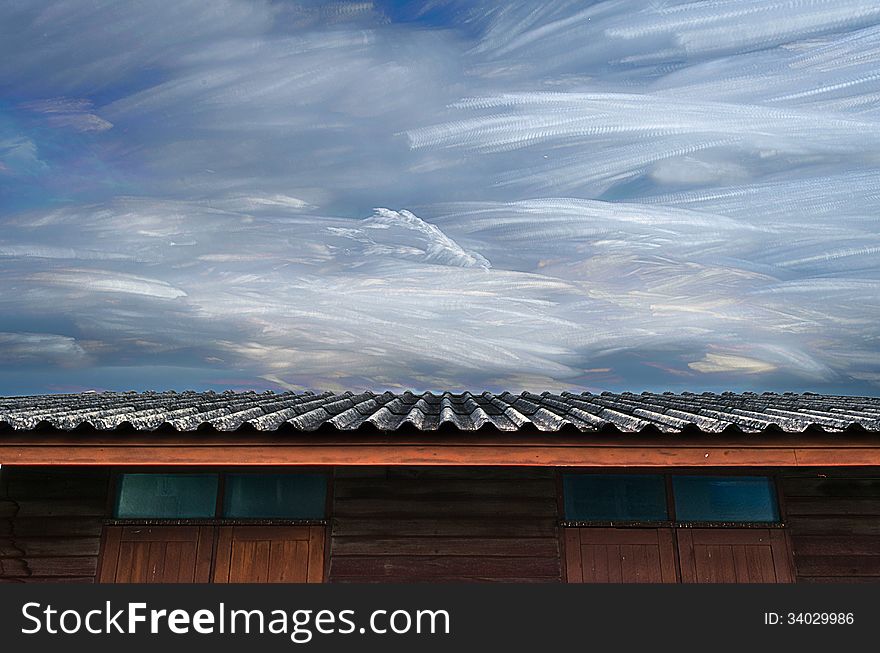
(557, 455)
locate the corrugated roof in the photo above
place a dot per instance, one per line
(628, 412)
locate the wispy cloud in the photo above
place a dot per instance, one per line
(441, 194)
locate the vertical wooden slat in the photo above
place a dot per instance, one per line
(595, 569)
(779, 543)
(223, 556)
(173, 566)
(573, 563)
(156, 561)
(744, 564)
(109, 553)
(687, 563)
(204, 555)
(298, 569)
(669, 572)
(315, 572)
(132, 564)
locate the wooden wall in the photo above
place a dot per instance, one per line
(50, 524)
(478, 524)
(433, 524)
(834, 524)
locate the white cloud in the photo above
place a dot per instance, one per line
(618, 193)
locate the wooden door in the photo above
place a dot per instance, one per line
(270, 554)
(156, 554)
(742, 555)
(620, 555)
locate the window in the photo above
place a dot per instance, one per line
(643, 498)
(724, 499)
(618, 497)
(289, 496)
(167, 496)
(296, 496)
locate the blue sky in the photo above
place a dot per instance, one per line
(440, 194)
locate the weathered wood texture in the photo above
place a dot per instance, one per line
(834, 525)
(50, 523)
(733, 555)
(442, 525)
(156, 554)
(620, 555)
(410, 449)
(269, 554)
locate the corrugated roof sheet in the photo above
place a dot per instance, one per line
(628, 412)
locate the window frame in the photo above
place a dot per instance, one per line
(217, 519)
(673, 522)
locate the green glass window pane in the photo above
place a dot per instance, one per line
(725, 498)
(614, 497)
(167, 496)
(278, 496)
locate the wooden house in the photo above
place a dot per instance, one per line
(206, 487)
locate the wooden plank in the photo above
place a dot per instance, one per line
(435, 454)
(223, 556)
(825, 545)
(616, 536)
(842, 505)
(780, 545)
(204, 554)
(834, 457)
(426, 526)
(839, 579)
(49, 546)
(130, 565)
(465, 473)
(57, 485)
(477, 506)
(29, 507)
(687, 563)
(432, 567)
(110, 553)
(151, 533)
(730, 536)
(58, 527)
(455, 489)
(445, 579)
(49, 579)
(831, 487)
(669, 568)
(62, 566)
(443, 545)
(831, 525)
(158, 553)
(574, 571)
(315, 572)
(299, 571)
(839, 565)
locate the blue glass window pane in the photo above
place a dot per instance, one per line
(167, 496)
(725, 498)
(615, 497)
(279, 496)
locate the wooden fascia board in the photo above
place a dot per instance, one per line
(557, 454)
